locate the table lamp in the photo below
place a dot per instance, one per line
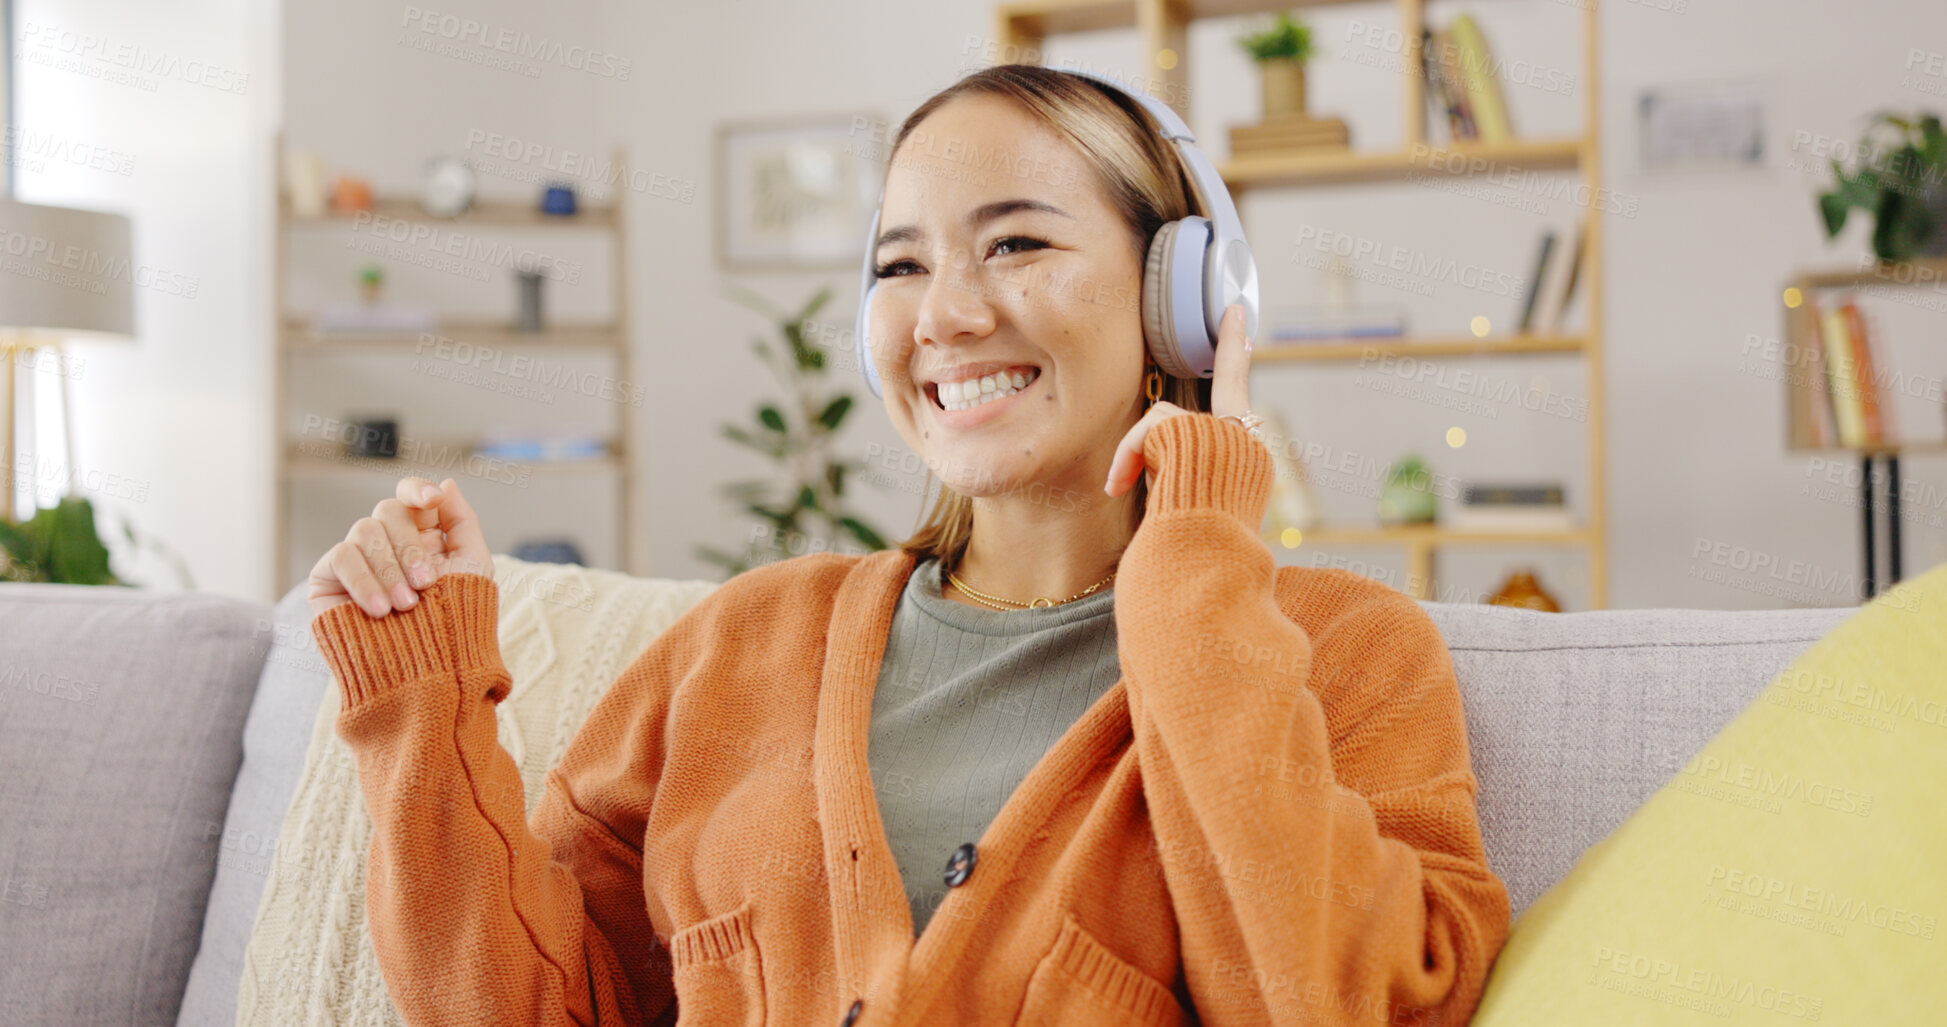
(64, 273)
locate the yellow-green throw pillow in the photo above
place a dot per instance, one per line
(1794, 871)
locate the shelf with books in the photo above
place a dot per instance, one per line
(1338, 350)
(1486, 145)
(1838, 397)
(1841, 387)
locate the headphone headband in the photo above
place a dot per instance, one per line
(1185, 288)
(1212, 195)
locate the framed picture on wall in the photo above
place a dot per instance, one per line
(797, 193)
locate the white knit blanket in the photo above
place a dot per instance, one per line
(566, 634)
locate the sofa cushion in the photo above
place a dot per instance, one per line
(121, 719)
(1574, 719)
(1789, 873)
(275, 735)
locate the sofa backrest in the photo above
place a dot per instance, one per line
(1574, 719)
(121, 714)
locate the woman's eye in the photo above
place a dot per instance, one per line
(1017, 243)
(894, 269)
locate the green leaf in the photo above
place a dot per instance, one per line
(1833, 208)
(75, 553)
(1902, 226)
(834, 412)
(767, 447)
(772, 418)
(860, 531)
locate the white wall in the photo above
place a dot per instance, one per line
(1695, 436)
(171, 432)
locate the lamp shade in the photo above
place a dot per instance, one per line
(66, 272)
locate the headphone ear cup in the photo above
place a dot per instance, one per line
(1159, 326)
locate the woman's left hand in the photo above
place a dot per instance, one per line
(1230, 394)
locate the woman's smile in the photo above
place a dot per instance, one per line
(971, 402)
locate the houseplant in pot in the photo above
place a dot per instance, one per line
(1899, 173)
(1281, 52)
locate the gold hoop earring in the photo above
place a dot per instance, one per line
(1153, 385)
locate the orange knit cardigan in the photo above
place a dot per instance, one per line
(1268, 820)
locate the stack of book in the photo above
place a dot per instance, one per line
(1557, 271)
(1461, 84)
(1306, 325)
(1845, 399)
(1510, 509)
(1286, 133)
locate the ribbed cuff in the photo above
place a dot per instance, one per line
(455, 627)
(1204, 462)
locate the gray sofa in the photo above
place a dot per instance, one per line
(149, 746)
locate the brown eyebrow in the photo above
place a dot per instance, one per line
(981, 215)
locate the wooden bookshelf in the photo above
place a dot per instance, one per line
(297, 346)
(1163, 25)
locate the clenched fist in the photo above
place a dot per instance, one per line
(423, 533)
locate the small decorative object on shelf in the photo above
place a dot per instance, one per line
(1523, 591)
(558, 199)
(304, 183)
(373, 437)
(1293, 508)
(529, 319)
(1511, 508)
(549, 550)
(447, 190)
(541, 445)
(371, 279)
(1407, 497)
(1281, 52)
(1900, 174)
(350, 194)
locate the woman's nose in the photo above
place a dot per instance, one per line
(955, 305)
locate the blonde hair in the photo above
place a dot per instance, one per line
(1144, 179)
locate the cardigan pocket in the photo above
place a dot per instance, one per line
(718, 976)
(1080, 981)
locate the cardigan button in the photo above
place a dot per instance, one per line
(961, 865)
(852, 1013)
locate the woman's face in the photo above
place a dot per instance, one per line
(1000, 255)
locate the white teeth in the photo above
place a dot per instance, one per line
(973, 392)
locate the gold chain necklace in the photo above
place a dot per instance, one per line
(1014, 604)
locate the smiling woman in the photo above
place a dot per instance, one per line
(1075, 753)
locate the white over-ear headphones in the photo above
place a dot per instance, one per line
(1195, 268)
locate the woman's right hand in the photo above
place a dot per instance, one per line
(422, 534)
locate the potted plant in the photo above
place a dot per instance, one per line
(1281, 52)
(804, 508)
(1899, 173)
